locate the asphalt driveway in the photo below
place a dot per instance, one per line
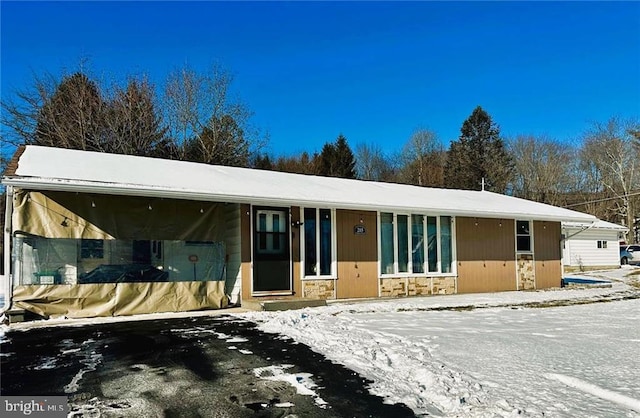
(187, 367)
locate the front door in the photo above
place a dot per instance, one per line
(271, 253)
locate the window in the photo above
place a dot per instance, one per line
(523, 236)
(271, 232)
(92, 248)
(602, 244)
(415, 244)
(318, 241)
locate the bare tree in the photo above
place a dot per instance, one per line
(542, 169)
(204, 118)
(610, 159)
(423, 160)
(371, 163)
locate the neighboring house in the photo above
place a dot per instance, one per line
(102, 234)
(591, 246)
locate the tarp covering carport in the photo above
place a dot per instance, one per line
(105, 217)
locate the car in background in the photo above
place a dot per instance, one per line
(630, 254)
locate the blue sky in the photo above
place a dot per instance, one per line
(373, 71)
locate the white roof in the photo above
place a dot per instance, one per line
(599, 224)
(44, 168)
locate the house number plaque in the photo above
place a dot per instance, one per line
(359, 230)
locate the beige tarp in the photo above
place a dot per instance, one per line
(94, 216)
(115, 299)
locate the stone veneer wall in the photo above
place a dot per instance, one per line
(393, 287)
(319, 289)
(526, 272)
(444, 285)
(417, 286)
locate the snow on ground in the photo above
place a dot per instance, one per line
(492, 354)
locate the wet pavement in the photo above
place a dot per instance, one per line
(187, 367)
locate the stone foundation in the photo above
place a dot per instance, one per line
(526, 272)
(443, 285)
(393, 287)
(419, 286)
(319, 289)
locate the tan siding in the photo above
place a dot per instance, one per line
(546, 241)
(357, 255)
(245, 244)
(295, 252)
(486, 255)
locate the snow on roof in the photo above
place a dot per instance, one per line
(47, 168)
(599, 224)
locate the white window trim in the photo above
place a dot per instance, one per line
(334, 259)
(409, 273)
(531, 242)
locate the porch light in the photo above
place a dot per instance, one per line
(64, 222)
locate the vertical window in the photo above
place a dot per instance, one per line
(432, 240)
(403, 243)
(325, 242)
(318, 242)
(417, 243)
(387, 247)
(523, 236)
(445, 242)
(310, 250)
(602, 244)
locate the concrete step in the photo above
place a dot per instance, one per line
(282, 304)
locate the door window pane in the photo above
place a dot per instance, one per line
(432, 240)
(403, 244)
(387, 248)
(262, 231)
(417, 243)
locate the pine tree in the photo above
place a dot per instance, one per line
(337, 160)
(73, 117)
(479, 154)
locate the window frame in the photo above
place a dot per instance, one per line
(602, 244)
(303, 254)
(425, 247)
(529, 235)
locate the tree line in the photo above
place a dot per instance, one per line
(194, 116)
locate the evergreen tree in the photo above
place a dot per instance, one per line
(133, 125)
(479, 154)
(337, 160)
(221, 143)
(73, 117)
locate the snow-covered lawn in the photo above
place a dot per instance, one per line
(497, 354)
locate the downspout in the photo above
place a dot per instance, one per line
(6, 285)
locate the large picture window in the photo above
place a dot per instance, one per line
(318, 241)
(415, 244)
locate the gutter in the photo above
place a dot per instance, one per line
(580, 232)
(114, 189)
